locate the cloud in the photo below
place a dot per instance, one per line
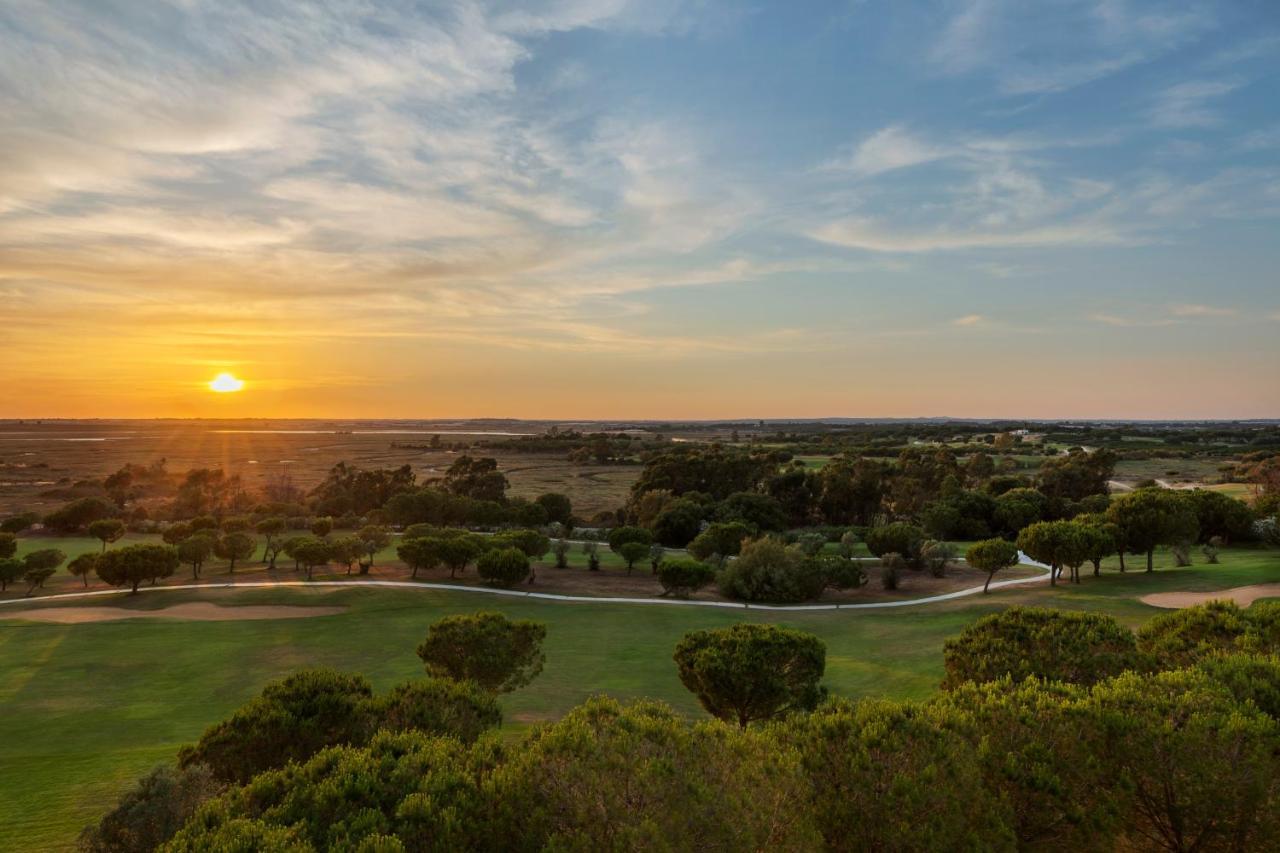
(969, 320)
(887, 149)
(1131, 323)
(1187, 104)
(860, 234)
(1186, 310)
(1040, 48)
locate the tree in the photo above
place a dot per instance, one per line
(769, 570)
(347, 550)
(375, 537)
(456, 551)
(895, 776)
(82, 566)
(632, 553)
(321, 527)
(11, 570)
(45, 559)
(438, 706)
(134, 564)
(723, 538)
(478, 479)
(271, 530)
(503, 567)
(1193, 768)
(18, 523)
(745, 673)
(312, 552)
(107, 530)
(291, 720)
(78, 514)
(619, 536)
(195, 550)
(8, 545)
(561, 551)
(531, 542)
(486, 647)
(1058, 543)
(419, 553)
(176, 532)
(1076, 475)
(237, 546)
(937, 556)
(1055, 645)
(152, 811)
(1102, 538)
(592, 550)
(1219, 515)
(990, 556)
(656, 554)
(35, 577)
(1017, 508)
(1183, 638)
(558, 507)
(1147, 518)
(898, 538)
(683, 576)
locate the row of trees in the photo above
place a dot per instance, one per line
(1053, 731)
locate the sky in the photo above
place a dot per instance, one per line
(640, 208)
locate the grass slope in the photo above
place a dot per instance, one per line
(90, 707)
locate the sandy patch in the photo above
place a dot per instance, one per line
(200, 611)
(1241, 595)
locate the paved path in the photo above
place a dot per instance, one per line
(549, 596)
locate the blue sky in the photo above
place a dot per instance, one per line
(603, 208)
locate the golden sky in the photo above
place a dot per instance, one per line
(624, 209)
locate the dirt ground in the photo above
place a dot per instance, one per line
(1241, 595)
(199, 611)
(40, 460)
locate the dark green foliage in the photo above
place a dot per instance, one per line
(291, 720)
(195, 550)
(1147, 518)
(746, 673)
(1249, 678)
(504, 567)
(1192, 768)
(641, 778)
(991, 556)
(679, 522)
(148, 815)
(45, 558)
(8, 545)
(619, 536)
(897, 538)
(723, 538)
(107, 530)
(1077, 475)
(238, 546)
(78, 514)
(419, 553)
(534, 544)
(768, 570)
(478, 479)
(558, 507)
(11, 570)
(632, 553)
(758, 512)
(82, 566)
(1184, 637)
(18, 523)
(1219, 515)
(683, 576)
(438, 706)
(1056, 645)
(310, 552)
(486, 647)
(891, 776)
(1017, 508)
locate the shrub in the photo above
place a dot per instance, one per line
(486, 647)
(891, 566)
(898, 538)
(683, 576)
(1057, 645)
(768, 570)
(503, 567)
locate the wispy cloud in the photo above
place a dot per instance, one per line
(969, 320)
(1186, 310)
(1189, 104)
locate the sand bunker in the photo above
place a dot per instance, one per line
(195, 612)
(1241, 595)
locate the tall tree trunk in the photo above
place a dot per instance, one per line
(1150, 551)
(1121, 552)
(985, 587)
(1097, 567)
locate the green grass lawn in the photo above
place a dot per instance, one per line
(89, 707)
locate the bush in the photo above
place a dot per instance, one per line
(768, 570)
(899, 538)
(504, 567)
(486, 647)
(891, 566)
(619, 536)
(682, 576)
(1056, 645)
(151, 812)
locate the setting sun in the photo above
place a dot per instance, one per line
(225, 383)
